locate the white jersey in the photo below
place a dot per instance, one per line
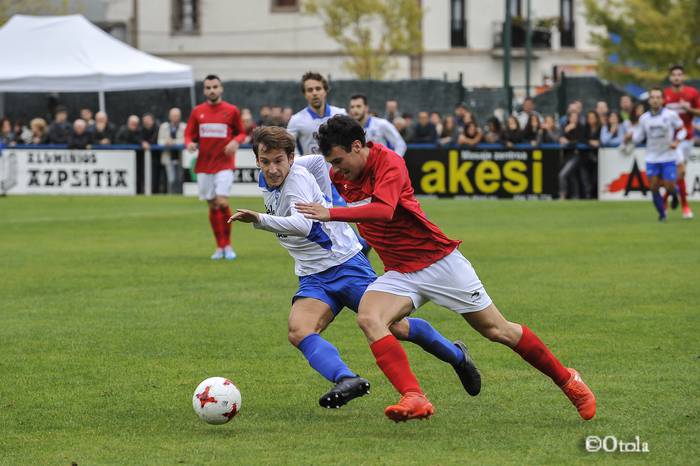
(315, 246)
(658, 129)
(382, 131)
(305, 123)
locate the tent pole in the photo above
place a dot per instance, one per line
(102, 101)
(193, 101)
(2, 104)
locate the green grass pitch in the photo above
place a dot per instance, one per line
(111, 313)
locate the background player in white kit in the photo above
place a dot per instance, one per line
(332, 271)
(376, 129)
(663, 130)
(305, 122)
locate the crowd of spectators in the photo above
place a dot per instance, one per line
(597, 127)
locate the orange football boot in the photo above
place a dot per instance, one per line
(580, 395)
(410, 406)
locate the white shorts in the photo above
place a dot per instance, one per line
(211, 185)
(683, 151)
(450, 282)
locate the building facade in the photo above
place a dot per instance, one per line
(273, 39)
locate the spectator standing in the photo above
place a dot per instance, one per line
(87, 115)
(60, 129)
(528, 109)
(287, 113)
(79, 138)
(531, 133)
(626, 107)
(103, 132)
(471, 135)
(22, 132)
(436, 120)
(612, 134)
(149, 131)
(7, 136)
(391, 110)
(170, 134)
(248, 125)
(602, 110)
(591, 131)
(130, 133)
(460, 110)
(494, 131)
(512, 135)
(263, 115)
(574, 166)
(450, 131)
(424, 131)
(39, 133)
(549, 134)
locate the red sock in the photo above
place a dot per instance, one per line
(531, 349)
(682, 193)
(226, 227)
(392, 360)
(215, 221)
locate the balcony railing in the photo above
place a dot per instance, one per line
(541, 37)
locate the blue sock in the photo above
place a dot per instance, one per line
(658, 203)
(324, 358)
(424, 335)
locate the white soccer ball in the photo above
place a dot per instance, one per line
(216, 400)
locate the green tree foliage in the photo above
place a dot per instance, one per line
(654, 34)
(31, 7)
(371, 31)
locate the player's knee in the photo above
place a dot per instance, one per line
(296, 334)
(400, 329)
(367, 322)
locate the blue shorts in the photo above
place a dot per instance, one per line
(664, 170)
(340, 286)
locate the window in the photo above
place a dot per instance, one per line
(185, 16)
(284, 5)
(516, 8)
(567, 24)
(458, 24)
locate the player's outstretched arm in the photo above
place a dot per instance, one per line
(245, 216)
(375, 211)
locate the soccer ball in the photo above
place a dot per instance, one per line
(216, 400)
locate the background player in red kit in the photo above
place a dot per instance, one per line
(685, 101)
(217, 127)
(421, 264)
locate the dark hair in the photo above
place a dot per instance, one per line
(675, 67)
(210, 77)
(316, 77)
(359, 96)
(339, 131)
(60, 109)
(656, 88)
(273, 137)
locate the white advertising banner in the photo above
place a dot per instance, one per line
(622, 176)
(63, 171)
(245, 176)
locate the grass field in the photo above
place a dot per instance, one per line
(111, 313)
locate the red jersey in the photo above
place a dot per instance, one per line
(213, 127)
(673, 99)
(388, 214)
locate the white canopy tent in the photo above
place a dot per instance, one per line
(70, 54)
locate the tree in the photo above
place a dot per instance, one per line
(31, 7)
(370, 32)
(645, 37)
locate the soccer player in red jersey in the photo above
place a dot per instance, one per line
(684, 100)
(421, 264)
(217, 128)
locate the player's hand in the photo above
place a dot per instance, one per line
(231, 148)
(674, 144)
(245, 216)
(314, 211)
(685, 105)
(192, 146)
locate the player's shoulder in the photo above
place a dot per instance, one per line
(298, 117)
(337, 110)
(385, 157)
(645, 116)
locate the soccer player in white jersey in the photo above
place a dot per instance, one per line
(332, 272)
(305, 122)
(663, 130)
(376, 129)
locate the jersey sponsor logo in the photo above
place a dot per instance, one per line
(212, 130)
